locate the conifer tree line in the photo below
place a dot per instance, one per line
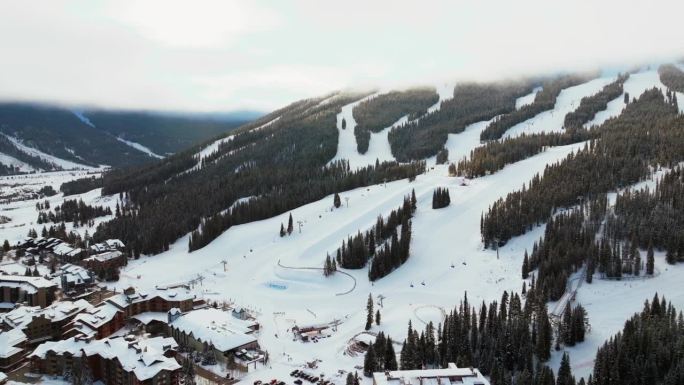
(544, 100)
(81, 185)
(380, 356)
(572, 328)
(646, 133)
(442, 156)
(284, 165)
(496, 154)
(672, 77)
(472, 102)
(382, 243)
(652, 218)
(440, 198)
(75, 211)
(647, 351)
(590, 105)
(382, 111)
(508, 341)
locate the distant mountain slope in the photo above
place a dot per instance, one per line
(113, 138)
(163, 134)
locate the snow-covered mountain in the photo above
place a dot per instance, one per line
(210, 218)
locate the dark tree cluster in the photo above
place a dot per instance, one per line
(672, 77)
(80, 186)
(544, 100)
(653, 218)
(392, 254)
(508, 341)
(357, 250)
(442, 156)
(561, 252)
(647, 351)
(590, 105)
(573, 325)
(382, 111)
(472, 102)
(440, 198)
(380, 356)
(283, 165)
(75, 211)
(496, 154)
(648, 132)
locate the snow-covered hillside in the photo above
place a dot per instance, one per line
(65, 164)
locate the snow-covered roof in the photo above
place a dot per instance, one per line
(3, 377)
(114, 243)
(106, 256)
(217, 327)
(94, 317)
(9, 341)
(23, 315)
(150, 316)
(144, 357)
(75, 273)
(452, 375)
(62, 249)
(28, 284)
(123, 300)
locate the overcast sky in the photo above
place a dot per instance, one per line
(226, 55)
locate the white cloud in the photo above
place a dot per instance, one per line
(218, 55)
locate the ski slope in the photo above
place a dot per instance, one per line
(139, 147)
(568, 100)
(460, 145)
(527, 99)
(636, 85)
(378, 147)
(282, 297)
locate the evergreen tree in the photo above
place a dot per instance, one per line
(290, 225)
(6, 246)
(336, 201)
(369, 312)
(370, 361)
(377, 317)
(525, 267)
(650, 259)
(390, 356)
(282, 230)
(544, 335)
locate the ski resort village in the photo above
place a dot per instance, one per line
(189, 196)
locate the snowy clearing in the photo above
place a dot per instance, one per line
(14, 162)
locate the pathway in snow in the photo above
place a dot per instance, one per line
(567, 101)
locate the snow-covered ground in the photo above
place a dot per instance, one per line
(23, 214)
(140, 148)
(527, 99)
(65, 164)
(460, 145)
(14, 162)
(568, 100)
(447, 260)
